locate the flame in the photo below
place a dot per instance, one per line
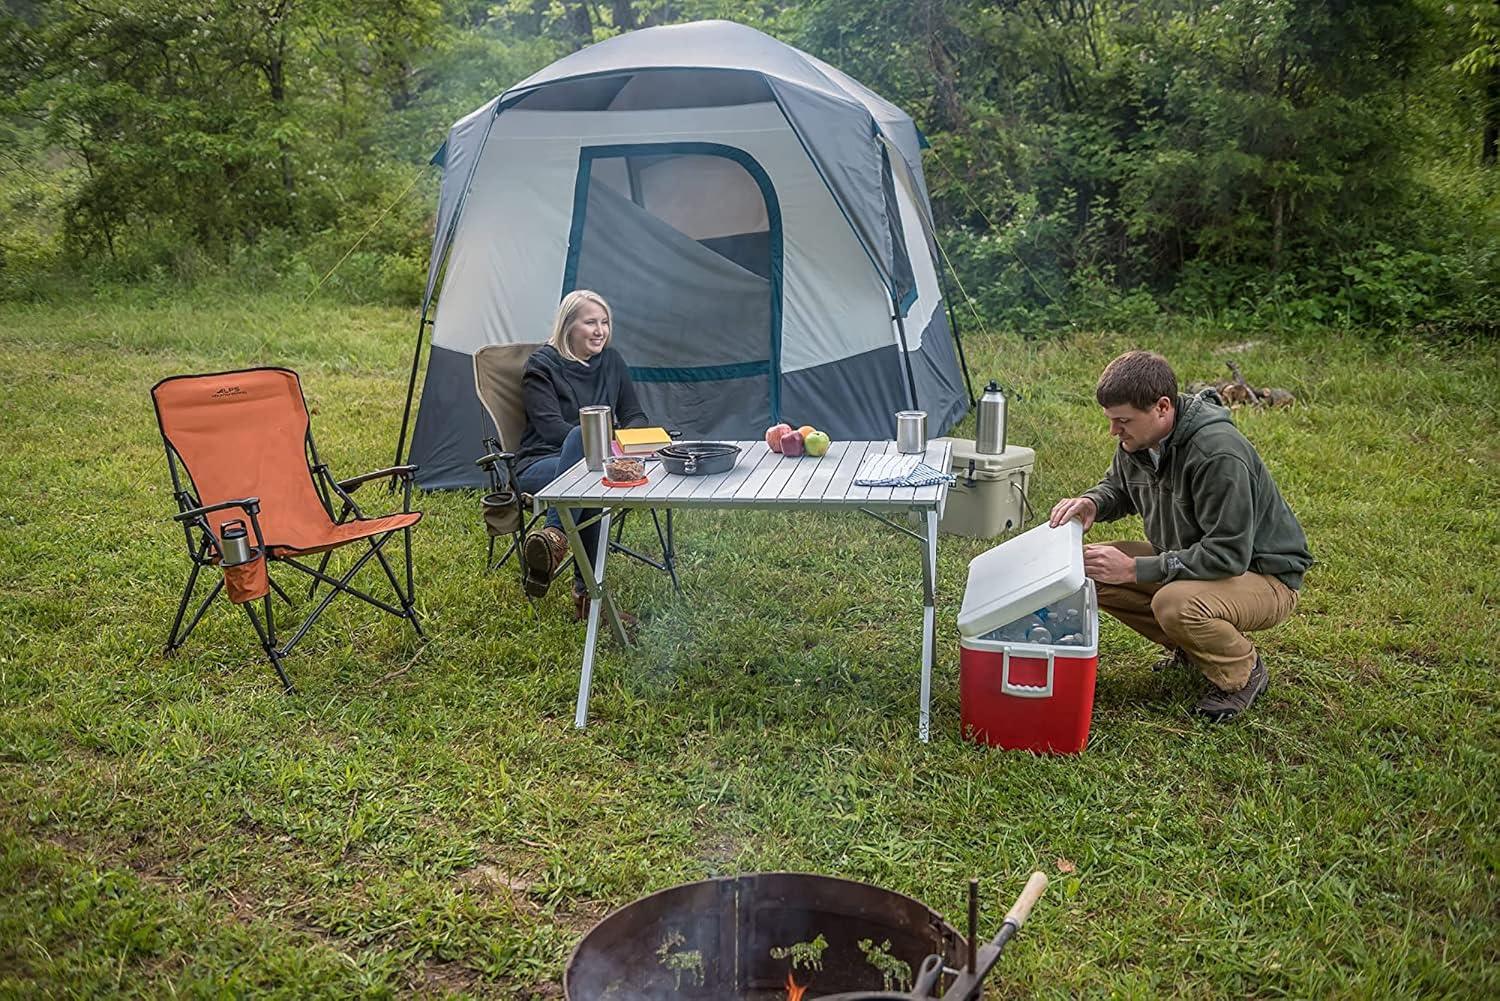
(794, 990)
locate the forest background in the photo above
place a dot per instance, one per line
(1267, 162)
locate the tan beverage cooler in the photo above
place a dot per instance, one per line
(989, 497)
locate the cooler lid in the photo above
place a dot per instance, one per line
(1021, 575)
(963, 454)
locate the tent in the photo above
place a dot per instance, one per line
(758, 221)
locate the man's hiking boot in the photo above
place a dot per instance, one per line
(542, 554)
(1172, 661)
(1219, 706)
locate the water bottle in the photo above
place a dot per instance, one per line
(234, 544)
(991, 439)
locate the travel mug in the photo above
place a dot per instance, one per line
(234, 544)
(911, 432)
(598, 428)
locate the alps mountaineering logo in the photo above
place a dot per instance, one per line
(219, 394)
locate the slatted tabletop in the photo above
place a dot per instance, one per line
(761, 478)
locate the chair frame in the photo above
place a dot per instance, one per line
(203, 550)
(497, 459)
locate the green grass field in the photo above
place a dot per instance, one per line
(424, 819)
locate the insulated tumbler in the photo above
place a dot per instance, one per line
(234, 544)
(598, 427)
(911, 432)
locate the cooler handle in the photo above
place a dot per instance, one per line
(1027, 691)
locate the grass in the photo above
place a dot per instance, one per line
(424, 819)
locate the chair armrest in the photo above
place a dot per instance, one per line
(354, 482)
(251, 506)
(489, 460)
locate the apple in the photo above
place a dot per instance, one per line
(816, 443)
(773, 435)
(806, 430)
(791, 442)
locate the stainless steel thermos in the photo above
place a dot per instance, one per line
(911, 432)
(598, 427)
(234, 544)
(990, 439)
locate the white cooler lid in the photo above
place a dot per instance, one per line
(1021, 575)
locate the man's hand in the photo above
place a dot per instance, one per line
(1108, 565)
(1082, 508)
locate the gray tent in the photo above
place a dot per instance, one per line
(758, 221)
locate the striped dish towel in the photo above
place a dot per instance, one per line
(898, 471)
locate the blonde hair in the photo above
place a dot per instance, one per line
(567, 312)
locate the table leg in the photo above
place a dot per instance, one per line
(929, 622)
(593, 575)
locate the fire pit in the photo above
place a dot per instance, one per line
(779, 937)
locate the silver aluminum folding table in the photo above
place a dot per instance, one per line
(761, 479)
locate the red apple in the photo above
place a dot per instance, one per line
(773, 435)
(791, 442)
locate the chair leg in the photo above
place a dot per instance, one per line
(668, 553)
(411, 582)
(405, 598)
(277, 588)
(491, 564)
(187, 594)
(341, 585)
(268, 644)
(312, 589)
(178, 639)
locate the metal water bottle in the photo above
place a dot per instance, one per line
(991, 436)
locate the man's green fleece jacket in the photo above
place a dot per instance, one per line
(1211, 508)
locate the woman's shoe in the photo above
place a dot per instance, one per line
(541, 556)
(581, 612)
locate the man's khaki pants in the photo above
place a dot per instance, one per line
(1208, 619)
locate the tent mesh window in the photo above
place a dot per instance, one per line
(682, 245)
(650, 90)
(710, 199)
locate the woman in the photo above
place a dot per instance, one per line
(575, 368)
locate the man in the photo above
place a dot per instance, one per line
(1224, 556)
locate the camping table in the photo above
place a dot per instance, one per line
(762, 479)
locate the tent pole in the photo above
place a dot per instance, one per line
(411, 385)
(911, 382)
(953, 326)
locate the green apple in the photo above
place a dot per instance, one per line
(817, 443)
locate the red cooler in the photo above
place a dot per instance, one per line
(1029, 644)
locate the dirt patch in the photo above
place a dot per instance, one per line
(435, 979)
(494, 880)
(579, 916)
(718, 851)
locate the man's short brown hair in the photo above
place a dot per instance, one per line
(1138, 379)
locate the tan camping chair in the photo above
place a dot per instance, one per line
(497, 381)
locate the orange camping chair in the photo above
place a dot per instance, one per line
(244, 442)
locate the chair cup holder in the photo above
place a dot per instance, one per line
(501, 514)
(247, 581)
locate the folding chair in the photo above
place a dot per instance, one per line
(245, 445)
(497, 381)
